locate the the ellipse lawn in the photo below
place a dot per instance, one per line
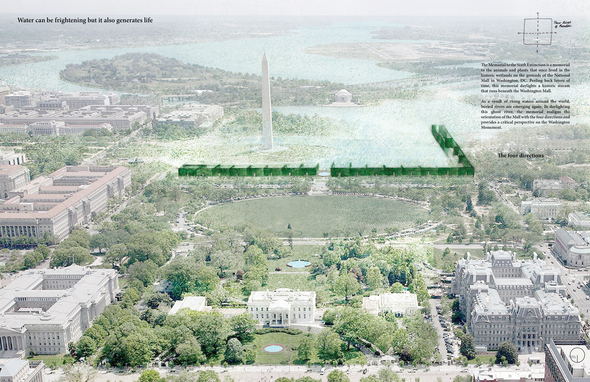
(315, 216)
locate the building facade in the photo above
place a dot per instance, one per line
(12, 177)
(520, 301)
(43, 310)
(572, 247)
(501, 374)
(13, 128)
(19, 370)
(282, 307)
(400, 304)
(64, 199)
(547, 187)
(343, 96)
(120, 117)
(542, 208)
(19, 99)
(579, 220)
(11, 158)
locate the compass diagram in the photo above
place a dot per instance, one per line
(537, 31)
(577, 354)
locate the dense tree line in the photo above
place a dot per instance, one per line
(412, 338)
(74, 249)
(153, 73)
(122, 338)
(29, 260)
(350, 268)
(285, 124)
(46, 154)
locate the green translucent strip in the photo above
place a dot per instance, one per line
(440, 134)
(243, 170)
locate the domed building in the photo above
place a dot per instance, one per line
(343, 96)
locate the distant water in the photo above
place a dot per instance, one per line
(284, 53)
(393, 133)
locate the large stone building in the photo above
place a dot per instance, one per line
(193, 115)
(579, 220)
(282, 307)
(81, 99)
(567, 361)
(56, 128)
(13, 128)
(55, 113)
(120, 117)
(64, 199)
(573, 248)
(400, 304)
(43, 310)
(547, 187)
(542, 208)
(521, 301)
(4, 91)
(19, 370)
(536, 373)
(11, 158)
(343, 96)
(19, 99)
(12, 177)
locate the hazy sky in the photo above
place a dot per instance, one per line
(547, 8)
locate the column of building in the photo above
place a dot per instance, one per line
(11, 343)
(11, 231)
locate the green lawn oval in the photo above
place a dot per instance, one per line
(316, 216)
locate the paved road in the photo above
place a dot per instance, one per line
(439, 329)
(93, 159)
(272, 372)
(459, 246)
(572, 278)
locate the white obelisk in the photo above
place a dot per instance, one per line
(266, 109)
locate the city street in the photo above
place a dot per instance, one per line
(575, 281)
(439, 329)
(269, 373)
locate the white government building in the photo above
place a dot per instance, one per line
(520, 301)
(400, 304)
(58, 202)
(43, 310)
(572, 247)
(19, 370)
(542, 208)
(579, 220)
(282, 307)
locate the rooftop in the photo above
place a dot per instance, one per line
(282, 294)
(61, 304)
(196, 303)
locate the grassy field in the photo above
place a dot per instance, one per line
(290, 280)
(315, 216)
(287, 356)
(447, 263)
(300, 252)
(53, 361)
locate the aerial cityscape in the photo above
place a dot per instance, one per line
(253, 191)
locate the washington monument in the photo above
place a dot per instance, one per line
(266, 109)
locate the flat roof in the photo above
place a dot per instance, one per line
(10, 169)
(87, 290)
(78, 196)
(284, 294)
